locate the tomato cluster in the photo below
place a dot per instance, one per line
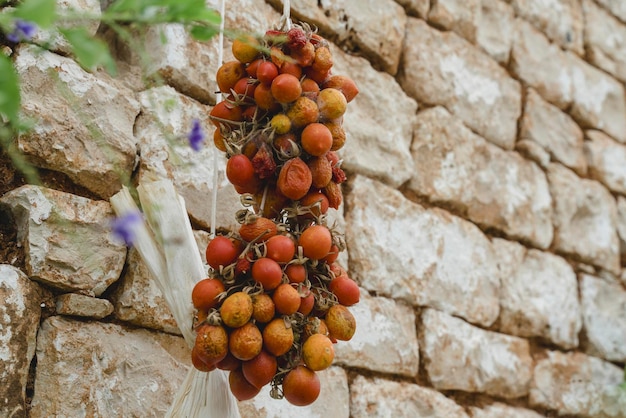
(275, 301)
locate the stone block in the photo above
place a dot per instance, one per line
(492, 187)
(161, 132)
(20, 312)
(378, 123)
(66, 239)
(83, 121)
(139, 301)
(378, 398)
(385, 340)
(417, 8)
(500, 410)
(486, 23)
(74, 304)
(459, 356)
(616, 7)
(441, 68)
(607, 160)
(99, 369)
(604, 316)
(425, 257)
(555, 131)
(577, 384)
(538, 295)
(561, 21)
(333, 400)
(374, 27)
(541, 65)
(585, 219)
(605, 40)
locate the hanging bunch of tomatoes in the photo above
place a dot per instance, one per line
(276, 300)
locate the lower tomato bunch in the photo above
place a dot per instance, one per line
(275, 301)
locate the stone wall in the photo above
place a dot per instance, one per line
(485, 213)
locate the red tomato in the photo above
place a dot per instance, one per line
(316, 241)
(239, 170)
(204, 293)
(267, 272)
(296, 273)
(221, 251)
(266, 72)
(280, 248)
(346, 290)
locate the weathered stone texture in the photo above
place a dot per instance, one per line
(561, 20)
(440, 68)
(574, 383)
(554, 131)
(378, 126)
(98, 369)
(459, 356)
(486, 23)
(74, 304)
(494, 188)
(604, 315)
(425, 257)
(585, 219)
(607, 160)
(374, 27)
(621, 226)
(416, 7)
(138, 299)
(499, 410)
(66, 239)
(617, 7)
(385, 340)
(84, 121)
(538, 295)
(378, 398)
(19, 319)
(334, 400)
(605, 40)
(161, 132)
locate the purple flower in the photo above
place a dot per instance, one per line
(124, 227)
(196, 136)
(23, 31)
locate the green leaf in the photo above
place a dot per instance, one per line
(9, 91)
(203, 33)
(41, 12)
(89, 52)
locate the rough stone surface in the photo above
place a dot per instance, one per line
(605, 40)
(538, 295)
(385, 340)
(554, 131)
(161, 132)
(486, 23)
(138, 299)
(98, 369)
(494, 188)
(607, 160)
(621, 226)
(574, 383)
(380, 398)
(459, 356)
(66, 239)
(19, 319)
(585, 219)
(74, 304)
(604, 315)
(377, 32)
(541, 64)
(416, 7)
(500, 410)
(378, 126)
(533, 151)
(334, 400)
(84, 122)
(424, 257)
(440, 68)
(561, 20)
(617, 7)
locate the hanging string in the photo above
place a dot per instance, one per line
(218, 98)
(287, 14)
